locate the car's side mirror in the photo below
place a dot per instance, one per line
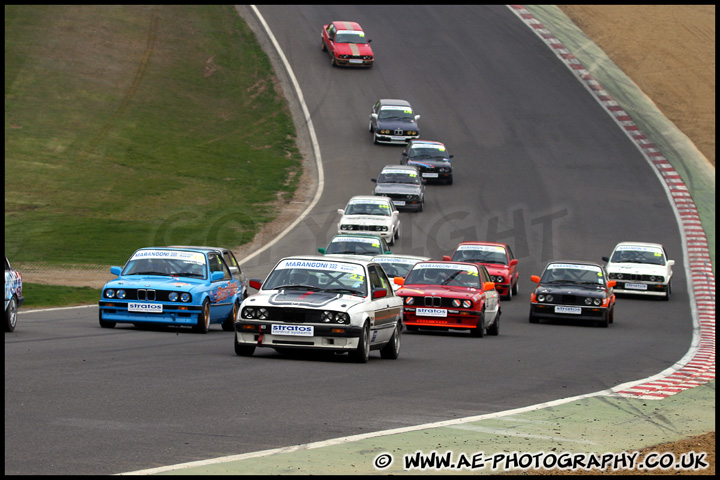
(399, 281)
(404, 154)
(341, 211)
(535, 278)
(215, 276)
(373, 180)
(369, 40)
(116, 270)
(451, 156)
(321, 250)
(374, 116)
(447, 258)
(388, 252)
(513, 262)
(417, 117)
(611, 283)
(255, 283)
(605, 259)
(671, 263)
(379, 293)
(488, 286)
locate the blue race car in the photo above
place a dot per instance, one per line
(183, 286)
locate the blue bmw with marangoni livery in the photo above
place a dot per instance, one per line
(181, 286)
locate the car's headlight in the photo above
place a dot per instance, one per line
(382, 228)
(255, 313)
(185, 297)
(461, 303)
(593, 301)
(544, 298)
(173, 296)
(497, 278)
(335, 317)
(120, 294)
(345, 227)
(385, 131)
(109, 293)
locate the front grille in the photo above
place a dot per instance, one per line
(293, 315)
(364, 228)
(400, 196)
(437, 302)
(631, 277)
(146, 294)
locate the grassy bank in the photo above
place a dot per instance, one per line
(133, 126)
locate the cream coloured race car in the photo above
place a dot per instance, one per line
(640, 269)
(333, 304)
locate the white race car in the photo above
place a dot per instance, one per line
(320, 303)
(371, 214)
(640, 269)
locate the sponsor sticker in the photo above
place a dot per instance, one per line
(572, 310)
(430, 175)
(293, 330)
(636, 286)
(194, 257)
(482, 248)
(431, 312)
(145, 307)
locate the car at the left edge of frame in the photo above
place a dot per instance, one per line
(172, 286)
(13, 296)
(347, 44)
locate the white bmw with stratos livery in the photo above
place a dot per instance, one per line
(640, 268)
(319, 303)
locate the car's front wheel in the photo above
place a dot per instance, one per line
(516, 287)
(362, 352)
(668, 291)
(479, 330)
(391, 350)
(105, 323)
(203, 321)
(324, 48)
(11, 314)
(242, 349)
(229, 324)
(494, 329)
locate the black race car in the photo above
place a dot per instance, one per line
(573, 291)
(393, 121)
(431, 158)
(404, 186)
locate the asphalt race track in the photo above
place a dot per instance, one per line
(538, 165)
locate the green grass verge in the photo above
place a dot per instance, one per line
(134, 126)
(44, 296)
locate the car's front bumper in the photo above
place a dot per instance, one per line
(454, 319)
(563, 312)
(325, 337)
(394, 139)
(172, 314)
(354, 62)
(641, 288)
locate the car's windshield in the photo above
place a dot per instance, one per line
(396, 269)
(314, 275)
(369, 208)
(350, 37)
(427, 152)
(399, 177)
(436, 274)
(653, 256)
(353, 246)
(396, 113)
(167, 263)
(568, 273)
(481, 254)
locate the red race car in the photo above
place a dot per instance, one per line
(450, 295)
(347, 45)
(499, 260)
